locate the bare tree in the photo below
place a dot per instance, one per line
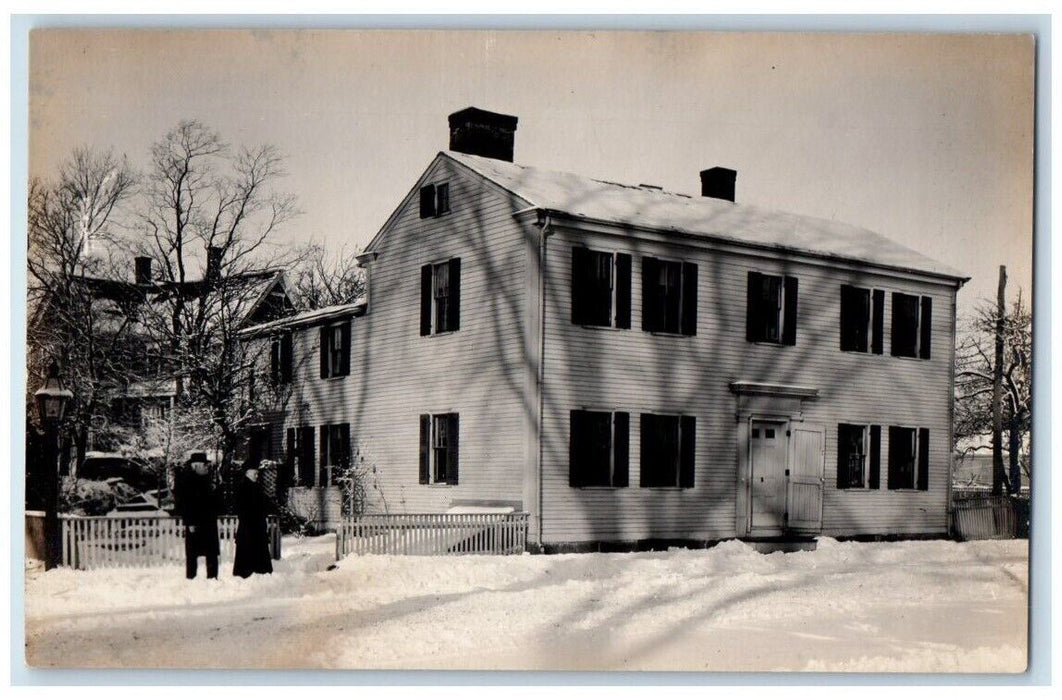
(79, 314)
(975, 373)
(209, 218)
(321, 279)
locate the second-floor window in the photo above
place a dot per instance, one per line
(335, 350)
(281, 360)
(601, 282)
(912, 320)
(434, 200)
(439, 448)
(669, 296)
(440, 297)
(771, 313)
(862, 314)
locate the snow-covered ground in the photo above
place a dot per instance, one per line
(909, 606)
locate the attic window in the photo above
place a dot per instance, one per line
(434, 200)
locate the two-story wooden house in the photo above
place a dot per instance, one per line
(627, 364)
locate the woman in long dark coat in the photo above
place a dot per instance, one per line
(252, 538)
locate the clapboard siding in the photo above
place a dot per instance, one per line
(635, 371)
(396, 374)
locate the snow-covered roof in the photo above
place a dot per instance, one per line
(652, 208)
(308, 318)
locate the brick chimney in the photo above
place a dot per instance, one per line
(718, 183)
(482, 133)
(213, 268)
(142, 269)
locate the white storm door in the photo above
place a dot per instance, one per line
(807, 445)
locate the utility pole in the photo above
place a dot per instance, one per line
(998, 474)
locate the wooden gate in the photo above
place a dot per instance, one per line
(433, 534)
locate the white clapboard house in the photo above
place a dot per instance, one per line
(626, 364)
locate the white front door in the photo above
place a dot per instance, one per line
(767, 442)
(806, 464)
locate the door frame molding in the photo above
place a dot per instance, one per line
(767, 402)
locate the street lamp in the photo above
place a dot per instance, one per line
(51, 404)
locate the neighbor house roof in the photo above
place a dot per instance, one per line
(647, 207)
(308, 318)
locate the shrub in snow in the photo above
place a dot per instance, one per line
(83, 497)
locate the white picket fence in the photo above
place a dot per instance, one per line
(432, 534)
(107, 541)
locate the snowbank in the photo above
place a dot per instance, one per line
(907, 606)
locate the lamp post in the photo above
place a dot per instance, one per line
(51, 404)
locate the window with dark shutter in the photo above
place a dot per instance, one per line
(623, 290)
(326, 350)
(669, 296)
(667, 450)
(877, 343)
(905, 314)
(874, 476)
(274, 361)
(442, 198)
(306, 455)
(851, 456)
(324, 435)
(439, 448)
(286, 478)
(599, 448)
(287, 357)
(335, 350)
(903, 457)
(440, 297)
(855, 319)
(592, 287)
(427, 201)
(771, 309)
(925, 328)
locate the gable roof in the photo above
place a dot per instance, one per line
(585, 198)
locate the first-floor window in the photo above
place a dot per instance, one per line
(335, 451)
(598, 450)
(858, 456)
(908, 458)
(299, 458)
(667, 450)
(439, 448)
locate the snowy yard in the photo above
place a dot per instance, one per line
(910, 606)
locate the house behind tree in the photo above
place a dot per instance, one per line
(624, 363)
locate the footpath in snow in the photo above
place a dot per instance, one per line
(907, 606)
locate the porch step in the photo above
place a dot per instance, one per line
(769, 545)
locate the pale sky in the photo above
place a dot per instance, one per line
(927, 139)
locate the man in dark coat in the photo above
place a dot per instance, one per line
(252, 538)
(198, 507)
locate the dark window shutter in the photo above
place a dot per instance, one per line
(875, 457)
(427, 201)
(452, 452)
(652, 319)
(325, 342)
(923, 459)
(576, 453)
(344, 442)
(287, 357)
(455, 295)
(425, 448)
(290, 458)
(925, 325)
(325, 434)
(425, 300)
(623, 290)
(878, 322)
(689, 298)
(344, 362)
(646, 448)
(687, 451)
(789, 314)
(274, 362)
(442, 198)
(752, 307)
(621, 449)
